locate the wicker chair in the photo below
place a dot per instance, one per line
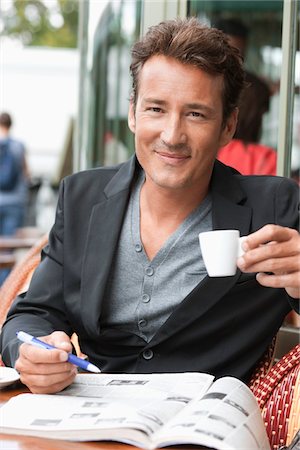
(20, 276)
(278, 395)
(263, 367)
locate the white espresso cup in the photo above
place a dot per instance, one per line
(220, 251)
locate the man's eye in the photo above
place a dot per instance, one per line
(196, 114)
(155, 109)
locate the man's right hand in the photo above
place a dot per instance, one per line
(46, 371)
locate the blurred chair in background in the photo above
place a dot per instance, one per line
(19, 278)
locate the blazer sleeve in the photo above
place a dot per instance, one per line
(287, 208)
(41, 310)
(287, 204)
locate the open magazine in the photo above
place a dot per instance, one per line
(145, 410)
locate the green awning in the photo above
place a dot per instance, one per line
(237, 5)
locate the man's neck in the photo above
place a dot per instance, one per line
(170, 205)
(162, 211)
(3, 133)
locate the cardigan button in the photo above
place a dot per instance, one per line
(149, 271)
(145, 298)
(142, 323)
(148, 354)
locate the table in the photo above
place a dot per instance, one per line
(9, 245)
(7, 260)
(17, 442)
(13, 242)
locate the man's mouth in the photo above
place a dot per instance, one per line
(172, 155)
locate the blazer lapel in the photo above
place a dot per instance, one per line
(228, 212)
(104, 228)
(228, 198)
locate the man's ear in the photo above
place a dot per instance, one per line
(229, 128)
(131, 117)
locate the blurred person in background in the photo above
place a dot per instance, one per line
(238, 35)
(236, 31)
(244, 152)
(13, 182)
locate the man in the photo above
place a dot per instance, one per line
(13, 182)
(123, 269)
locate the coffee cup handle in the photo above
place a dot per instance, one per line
(240, 250)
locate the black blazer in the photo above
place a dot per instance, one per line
(222, 327)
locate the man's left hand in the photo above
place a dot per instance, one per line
(274, 253)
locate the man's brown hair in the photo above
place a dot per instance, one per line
(190, 42)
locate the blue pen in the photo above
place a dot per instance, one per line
(28, 339)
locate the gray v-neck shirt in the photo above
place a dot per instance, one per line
(141, 294)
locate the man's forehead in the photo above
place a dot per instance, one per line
(160, 66)
(167, 75)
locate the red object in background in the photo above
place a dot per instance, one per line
(250, 158)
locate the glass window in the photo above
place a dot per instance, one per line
(295, 162)
(110, 140)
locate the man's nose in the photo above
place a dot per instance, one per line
(173, 132)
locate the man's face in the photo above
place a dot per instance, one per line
(178, 123)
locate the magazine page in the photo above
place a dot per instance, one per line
(148, 401)
(122, 386)
(126, 408)
(227, 417)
